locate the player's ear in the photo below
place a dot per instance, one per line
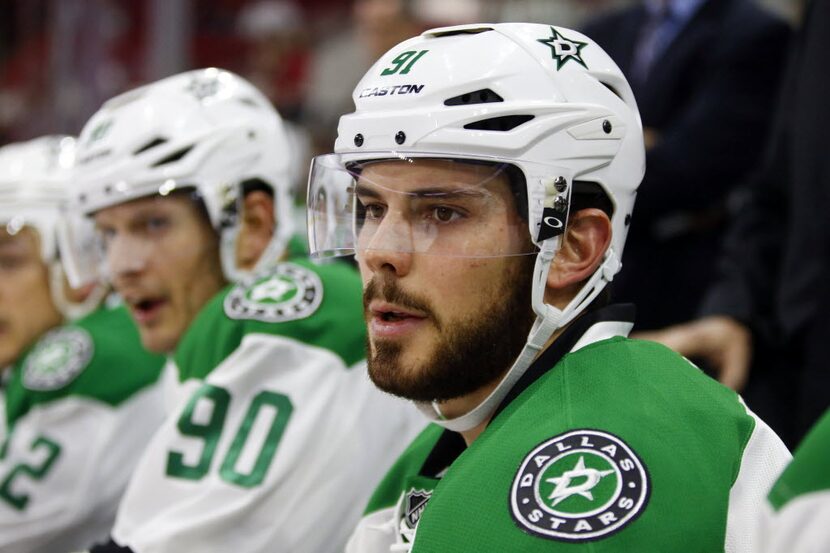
(584, 243)
(257, 227)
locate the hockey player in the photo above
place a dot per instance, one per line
(261, 449)
(494, 170)
(82, 398)
(799, 503)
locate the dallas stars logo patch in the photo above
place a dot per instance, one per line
(57, 359)
(564, 49)
(580, 486)
(288, 293)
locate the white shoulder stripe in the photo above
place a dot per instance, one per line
(603, 331)
(764, 457)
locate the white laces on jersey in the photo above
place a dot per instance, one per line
(405, 537)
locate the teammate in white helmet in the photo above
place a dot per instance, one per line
(259, 449)
(492, 171)
(82, 398)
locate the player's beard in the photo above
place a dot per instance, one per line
(472, 352)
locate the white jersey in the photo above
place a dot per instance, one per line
(277, 437)
(80, 408)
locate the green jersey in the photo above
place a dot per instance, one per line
(604, 444)
(80, 406)
(800, 500)
(275, 436)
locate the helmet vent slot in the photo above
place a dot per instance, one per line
(613, 90)
(504, 123)
(483, 96)
(454, 31)
(158, 141)
(175, 156)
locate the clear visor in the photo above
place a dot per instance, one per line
(127, 238)
(425, 204)
(16, 217)
(79, 251)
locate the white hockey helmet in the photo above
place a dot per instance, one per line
(208, 130)
(33, 187)
(34, 192)
(544, 99)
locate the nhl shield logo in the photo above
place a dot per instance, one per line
(579, 486)
(414, 505)
(57, 359)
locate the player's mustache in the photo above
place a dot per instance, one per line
(388, 290)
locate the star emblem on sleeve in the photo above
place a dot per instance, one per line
(582, 485)
(564, 49)
(564, 489)
(273, 290)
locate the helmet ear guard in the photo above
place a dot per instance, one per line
(96, 293)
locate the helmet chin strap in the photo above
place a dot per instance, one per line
(227, 255)
(270, 256)
(548, 320)
(71, 310)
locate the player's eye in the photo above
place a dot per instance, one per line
(104, 235)
(444, 214)
(156, 223)
(374, 211)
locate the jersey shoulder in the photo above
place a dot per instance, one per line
(807, 472)
(650, 380)
(98, 357)
(622, 386)
(614, 445)
(318, 305)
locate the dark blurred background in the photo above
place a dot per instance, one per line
(60, 59)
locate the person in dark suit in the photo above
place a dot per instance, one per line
(772, 289)
(705, 74)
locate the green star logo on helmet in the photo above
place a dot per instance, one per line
(564, 49)
(100, 131)
(203, 87)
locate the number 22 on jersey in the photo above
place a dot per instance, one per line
(217, 401)
(50, 451)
